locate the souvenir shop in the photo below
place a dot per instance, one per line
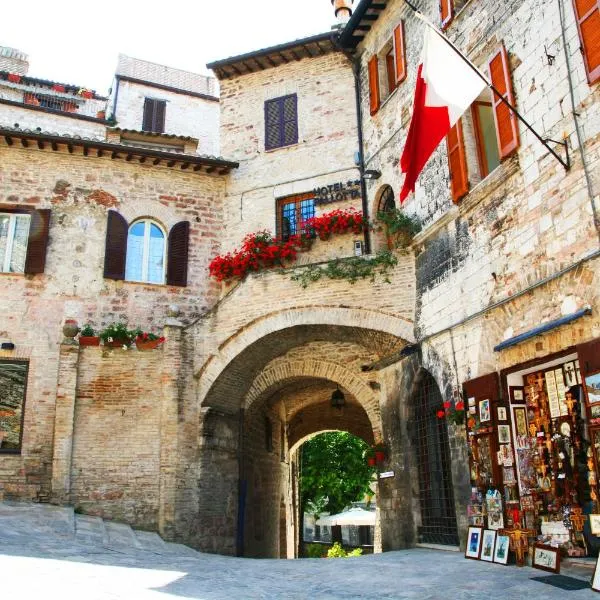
(534, 449)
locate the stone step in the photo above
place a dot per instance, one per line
(121, 537)
(90, 530)
(150, 541)
(39, 518)
(182, 550)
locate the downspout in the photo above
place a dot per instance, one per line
(242, 489)
(355, 62)
(114, 106)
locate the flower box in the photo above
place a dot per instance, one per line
(117, 343)
(57, 87)
(14, 78)
(87, 95)
(146, 345)
(89, 340)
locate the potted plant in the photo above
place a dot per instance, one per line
(58, 87)
(145, 340)
(400, 227)
(88, 337)
(14, 78)
(117, 335)
(85, 93)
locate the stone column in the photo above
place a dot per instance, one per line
(66, 389)
(168, 423)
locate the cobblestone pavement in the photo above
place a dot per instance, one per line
(62, 558)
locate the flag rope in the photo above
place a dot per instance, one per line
(565, 163)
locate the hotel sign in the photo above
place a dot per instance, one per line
(337, 192)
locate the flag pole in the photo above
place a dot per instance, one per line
(565, 163)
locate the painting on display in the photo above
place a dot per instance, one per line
(484, 410)
(546, 558)
(474, 542)
(501, 550)
(592, 388)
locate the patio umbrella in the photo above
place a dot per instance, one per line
(354, 516)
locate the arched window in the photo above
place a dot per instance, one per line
(145, 252)
(386, 200)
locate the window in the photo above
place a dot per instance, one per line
(392, 62)
(587, 14)
(154, 115)
(281, 122)
(23, 241)
(145, 253)
(485, 135)
(13, 385)
(386, 203)
(14, 234)
(292, 212)
(137, 253)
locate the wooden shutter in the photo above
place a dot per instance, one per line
(177, 254)
(506, 122)
(446, 12)
(375, 98)
(289, 117)
(399, 53)
(148, 112)
(115, 251)
(457, 162)
(37, 243)
(390, 66)
(154, 115)
(589, 357)
(481, 388)
(587, 13)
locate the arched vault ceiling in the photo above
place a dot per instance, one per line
(232, 384)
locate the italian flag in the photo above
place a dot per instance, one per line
(446, 87)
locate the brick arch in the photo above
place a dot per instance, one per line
(272, 378)
(386, 330)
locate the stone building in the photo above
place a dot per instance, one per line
(118, 221)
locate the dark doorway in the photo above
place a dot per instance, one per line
(436, 497)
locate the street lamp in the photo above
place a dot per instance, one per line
(338, 399)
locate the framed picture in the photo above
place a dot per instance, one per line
(488, 544)
(546, 558)
(520, 416)
(592, 388)
(595, 524)
(517, 395)
(484, 410)
(501, 550)
(474, 542)
(504, 434)
(501, 413)
(570, 374)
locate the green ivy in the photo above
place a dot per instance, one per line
(352, 269)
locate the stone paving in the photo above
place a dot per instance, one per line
(48, 552)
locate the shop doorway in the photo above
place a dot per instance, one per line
(436, 496)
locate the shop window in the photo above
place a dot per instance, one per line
(292, 213)
(587, 14)
(484, 136)
(23, 241)
(154, 115)
(145, 253)
(13, 387)
(387, 69)
(139, 252)
(281, 122)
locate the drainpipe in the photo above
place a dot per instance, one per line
(242, 490)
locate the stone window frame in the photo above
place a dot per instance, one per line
(18, 450)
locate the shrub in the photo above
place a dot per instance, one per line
(314, 551)
(336, 551)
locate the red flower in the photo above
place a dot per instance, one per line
(460, 405)
(446, 404)
(440, 414)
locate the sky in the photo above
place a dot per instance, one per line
(78, 42)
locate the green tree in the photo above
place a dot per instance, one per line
(334, 468)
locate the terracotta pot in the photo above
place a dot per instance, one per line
(145, 345)
(14, 78)
(57, 87)
(379, 456)
(118, 343)
(89, 340)
(70, 328)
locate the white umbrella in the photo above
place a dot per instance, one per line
(325, 520)
(354, 516)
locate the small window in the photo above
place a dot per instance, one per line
(14, 236)
(386, 203)
(13, 386)
(281, 122)
(485, 137)
(154, 115)
(292, 213)
(145, 253)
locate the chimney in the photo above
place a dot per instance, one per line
(343, 10)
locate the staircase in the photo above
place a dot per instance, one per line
(21, 521)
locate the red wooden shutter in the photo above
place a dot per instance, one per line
(587, 13)
(115, 251)
(35, 261)
(446, 12)
(390, 65)
(506, 122)
(399, 53)
(177, 254)
(374, 84)
(457, 162)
